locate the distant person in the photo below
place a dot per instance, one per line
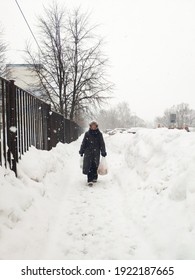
(91, 147)
(187, 128)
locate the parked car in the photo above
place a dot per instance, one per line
(108, 130)
(121, 130)
(134, 129)
(116, 130)
(112, 132)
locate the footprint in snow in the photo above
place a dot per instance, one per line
(84, 252)
(132, 250)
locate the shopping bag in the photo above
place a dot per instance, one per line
(103, 167)
(81, 162)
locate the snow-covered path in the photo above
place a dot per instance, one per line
(91, 223)
(140, 210)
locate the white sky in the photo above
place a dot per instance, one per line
(150, 43)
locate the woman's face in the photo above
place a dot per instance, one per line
(93, 126)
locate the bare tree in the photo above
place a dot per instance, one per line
(3, 48)
(70, 64)
(50, 62)
(192, 118)
(87, 68)
(108, 119)
(184, 116)
(164, 120)
(119, 116)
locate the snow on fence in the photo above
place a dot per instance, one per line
(27, 121)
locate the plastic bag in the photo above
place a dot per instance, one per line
(81, 162)
(103, 167)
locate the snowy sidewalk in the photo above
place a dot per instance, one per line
(91, 224)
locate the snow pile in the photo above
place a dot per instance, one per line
(159, 186)
(143, 209)
(27, 203)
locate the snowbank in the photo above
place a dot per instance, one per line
(159, 186)
(27, 203)
(144, 208)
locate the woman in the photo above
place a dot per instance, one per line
(91, 147)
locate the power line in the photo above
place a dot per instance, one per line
(28, 25)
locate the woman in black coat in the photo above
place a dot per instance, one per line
(91, 147)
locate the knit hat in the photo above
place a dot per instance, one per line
(93, 122)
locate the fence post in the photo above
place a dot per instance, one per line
(12, 127)
(49, 127)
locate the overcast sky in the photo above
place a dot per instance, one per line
(150, 44)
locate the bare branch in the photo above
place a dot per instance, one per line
(73, 72)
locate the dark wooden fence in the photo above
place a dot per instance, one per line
(27, 121)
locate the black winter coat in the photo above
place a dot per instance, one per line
(92, 145)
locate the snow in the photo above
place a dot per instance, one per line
(13, 129)
(143, 209)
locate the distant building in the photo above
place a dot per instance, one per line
(22, 74)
